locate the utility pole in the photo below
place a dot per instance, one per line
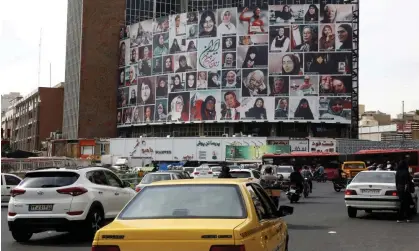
(50, 75)
(404, 123)
(39, 58)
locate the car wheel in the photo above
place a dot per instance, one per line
(352, 212)
(94, 221)
(21, 236)
(337, 189)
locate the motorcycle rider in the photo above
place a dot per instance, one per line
(297, 179)
(268, 174)
(306, 173)
(225, 172)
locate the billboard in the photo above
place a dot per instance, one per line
(274, 63)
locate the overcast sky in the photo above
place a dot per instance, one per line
(389, 50)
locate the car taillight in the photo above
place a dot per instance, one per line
(228, 248)
(391, 193)
(196, 173)
(15, 192)
(350, 192)
(137, 189)
(105, 248)
(73, 191)
(12, 213)
(209, 172)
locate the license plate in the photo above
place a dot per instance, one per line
(41, 207)
(371, 191)
(292, 191)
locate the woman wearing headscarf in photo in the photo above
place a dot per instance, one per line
(191, 81)
(345, 36)
(122, 49)
(335, 111)
(145, 69)
(175, 48)
(133, 99)
(203, 109)
(122, 99)
(312, 14)
(162, 87)
(134, 58)
(168, 64)
(258, 111)
(229, 109)
(136, 115)
(178, 109)
(176, 84)
(327, 40)
(207, 24)
(291, 65)
(191, 46)
(214, 80)
(252, 58)
(159, 46)
(161, 113)
(278, 87)
(281, 110)
(281, 43)
(226, 27)
(303, 110)
(183, 64)
(254, 84)
(146, 91)
(318, 64)
(286, 14)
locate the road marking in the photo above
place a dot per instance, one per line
(332, 232)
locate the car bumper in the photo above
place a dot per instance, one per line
(36, 225)
(370, 203)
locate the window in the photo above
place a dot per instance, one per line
(256, 174)
(113, 180)
(266, 200)
(263, 204)
(49, 179)
(186, 201)
(153, 177)
(240, 174)
(375, 177)
(97, 177)
(261, 210)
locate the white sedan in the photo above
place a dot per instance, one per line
(374, 191)
(253, 175)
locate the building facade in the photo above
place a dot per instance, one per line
(31, 119)
(91, 54)
(5, 100)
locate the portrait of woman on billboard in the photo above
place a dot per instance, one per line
(302, 110)
(291, 64)
(281, 109)
(121, 81)
(318, 63)
(132, 75)
(227, 21)
(253, 56)
(344, 33)
(179, 24)
(123, 97)
(207, 24)
(334, 109)
(176, 83)
(230, 106)
(231, 79)
(162, 87)
(134, 55)
(176, 47)
(161, 44)
(304, 38)
(157, 66)
(161, 25)
(278, 86)
(327, 39)
(122, 52)
(133, 95)
(137, 113)
(185, 62)
(312, 14)
(229, 44)
(190, 81)
(141, 33)
(191, 45)
(148, 113)
(304, 86)
(245, 40)
(214, 79)
(258, 111)
(253, 21)
(119, 116)
(127, 115)
(192, 17)
(192, 31)
(279, 38)
(178, 106)
(202, 80)
(144, 67)
(328, 13)
(146, 89)
(335, 85)
(203, 106)
(254, 83)
(168, 64)
(229, 60)
(161, 110)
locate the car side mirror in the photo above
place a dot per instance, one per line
(284, 211)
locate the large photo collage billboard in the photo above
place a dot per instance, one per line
(279, 63)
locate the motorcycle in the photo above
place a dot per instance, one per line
(273, 189)
(338, 185)
(293, 193)
(320, 178)
(306, 188)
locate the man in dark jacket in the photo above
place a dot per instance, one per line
(297, 178)
(225, 172)
(403, 184)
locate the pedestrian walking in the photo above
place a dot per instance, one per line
(404, 188)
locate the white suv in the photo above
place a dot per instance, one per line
(66, 200)
(8, 182)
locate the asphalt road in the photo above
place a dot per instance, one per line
(319, 223)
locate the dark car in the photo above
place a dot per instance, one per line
(416, 179)
(183, 174)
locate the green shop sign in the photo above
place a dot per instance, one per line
(240, 153)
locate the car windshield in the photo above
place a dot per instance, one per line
(189, 169)
(153, 177)
(216, 169)
(375, 177)
(240, 174)
(283, 170)
(186, 201)
(49, 179)
(354, 166)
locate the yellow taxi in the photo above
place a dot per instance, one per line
(352, 168)
(198, 215)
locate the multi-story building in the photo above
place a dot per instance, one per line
(30, 120)
(381, 117)
(5, 100)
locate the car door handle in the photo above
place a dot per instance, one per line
(100, 192)
(116, 193)
(8, 187)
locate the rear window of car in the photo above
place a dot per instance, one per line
(216, 169)
(185, 202)
(284, 170)
(202, 169)
(189, 169)
(49, 179)
(375, 177)
(354, 166)
(239, 174)
(150, 178)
